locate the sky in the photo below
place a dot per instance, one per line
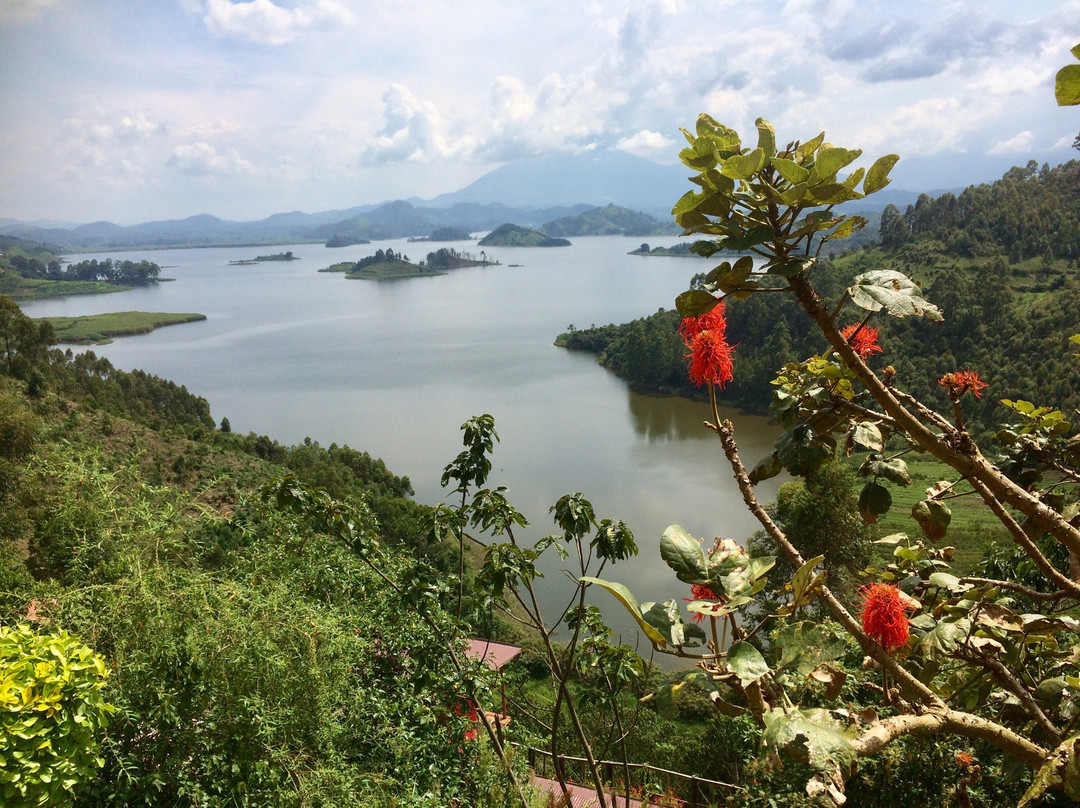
(135, 110)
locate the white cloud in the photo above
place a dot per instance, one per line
(647, 144)
(23, 11)
(201, 160)
(413, 132)
(263, 22)
(1020, 142)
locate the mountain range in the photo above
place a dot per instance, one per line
(529, 193)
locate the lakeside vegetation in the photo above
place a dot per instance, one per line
(99, 329)
(511, 235)
(283, 256)
(390, 265)
(285, 626)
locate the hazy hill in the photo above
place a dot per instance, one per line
(594, 178)
(610, 220)
(529, 193)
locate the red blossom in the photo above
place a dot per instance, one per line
(961, 382)
(863, 340)
(883, 615)
(964, 760)
(702, 592)
(710, 354)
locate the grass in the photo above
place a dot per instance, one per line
(98, 329)
(392, 270)
(972, 529)
(19, 288)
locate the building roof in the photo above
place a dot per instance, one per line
(495, 654)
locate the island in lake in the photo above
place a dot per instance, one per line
(511, 235)
(681, 250)
(99, 329)
(258, 259)
(390, 265)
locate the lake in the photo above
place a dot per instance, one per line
(394, 368)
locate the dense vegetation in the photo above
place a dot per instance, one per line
(609, 220)
(121, 273)
(1000, 259)
(283, 626)
(511, 235)
(449, 258)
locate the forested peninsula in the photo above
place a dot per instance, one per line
(1001, 259)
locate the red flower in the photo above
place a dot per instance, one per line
(961, 382)
(863, 340)
(470, 735)
(702, 592)
(964, 760)
(883, 616)
(710, 354)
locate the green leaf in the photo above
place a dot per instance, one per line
(746, 662)
(688, 201)
(623, 595)
(666, 618)
(894, 291)
(878, 175)
(743, 166)
(790, 171)
(949, 582)
(758, 234)
(683, 553)
(695, 303)
(766, 137)
(1067, 86)
(874, 501)
(830, 159)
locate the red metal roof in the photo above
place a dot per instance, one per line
(495, 654)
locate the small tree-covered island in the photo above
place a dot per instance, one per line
(196, 617)
(390, 265)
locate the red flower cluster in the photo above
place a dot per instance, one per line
(710, 355)
(883, 615)
(863, 340)
(961, 382)
(701, 592)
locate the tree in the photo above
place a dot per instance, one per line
(951, 649)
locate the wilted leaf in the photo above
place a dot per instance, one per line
(804, 581)
(874, 500)
(933, 518)
(894, 470)
(766, 468)
(868, 435)
(894, 291)
(806, 645)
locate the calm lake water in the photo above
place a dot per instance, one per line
(394, 368)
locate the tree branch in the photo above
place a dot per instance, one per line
(726, 431)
